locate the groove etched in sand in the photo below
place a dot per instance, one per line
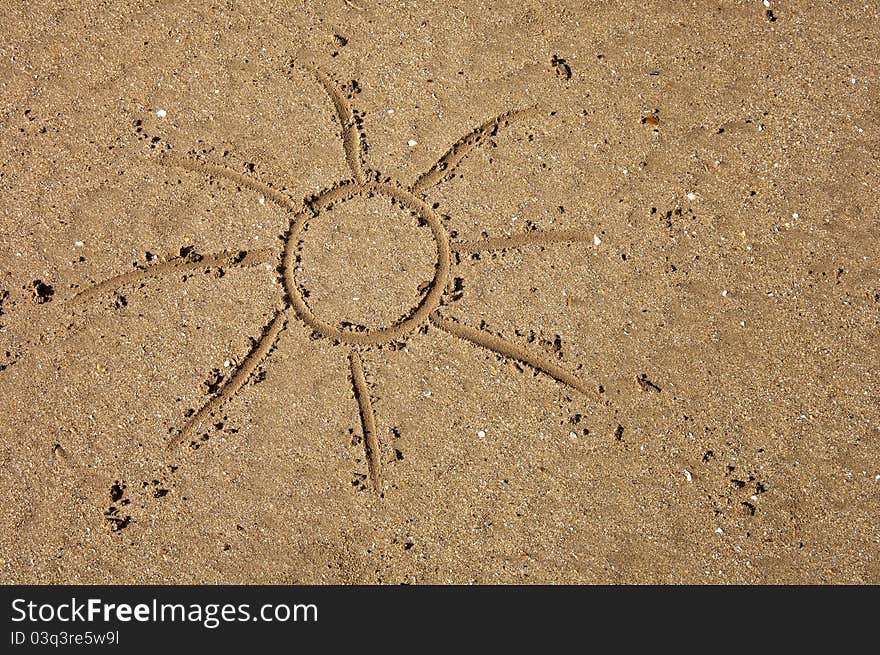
(419, 314)
(513, 351)
(352, 137)
(238, 259)
(445, 166)
(244, 371)
(208, 169)
(364, 182)
(368, 420)
(534, 238)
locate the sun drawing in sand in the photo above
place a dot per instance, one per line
(355, 340)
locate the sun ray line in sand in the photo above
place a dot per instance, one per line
(532, 238)
(209, 169)
(511, 350)
(63, 327)
(238, 379)
(176, 265)
(352, 137)
(445, 166)
(368, 419)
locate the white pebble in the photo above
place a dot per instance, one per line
(78, 244)
(766, 3)
(412, 142)
(573, 435)
(719, 530)
(262, 200)
(390, 111)
(692, 196)
(161, 113)
(795, 215)
(688, 476)
(724, 293)
(481, 434)
(596, 239)
(227, 363)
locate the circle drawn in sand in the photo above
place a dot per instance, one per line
(419, 314)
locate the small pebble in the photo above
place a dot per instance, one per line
(719, 530)
(412, 142)
(596, 239)
(78, 244)
(692, 196)
(481, 434)
(161, 113)
(688, 476)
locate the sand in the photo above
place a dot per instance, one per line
(366, 292)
